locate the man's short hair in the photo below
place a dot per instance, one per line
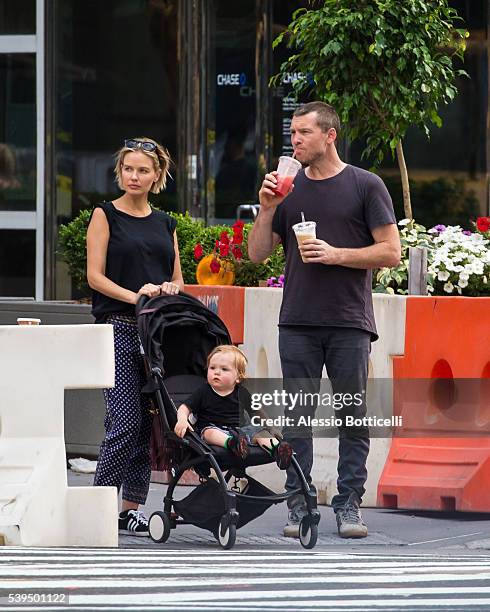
(326, 115)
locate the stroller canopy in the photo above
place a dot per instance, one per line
(178, 332)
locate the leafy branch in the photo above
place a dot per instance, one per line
(384, 65)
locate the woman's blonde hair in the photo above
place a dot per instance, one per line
(161, 161)
(240, 359)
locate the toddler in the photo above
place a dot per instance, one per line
(216, 406)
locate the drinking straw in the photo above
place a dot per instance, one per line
(302, 217)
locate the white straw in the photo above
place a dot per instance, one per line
(302, 216)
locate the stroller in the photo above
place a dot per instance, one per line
(177, 333)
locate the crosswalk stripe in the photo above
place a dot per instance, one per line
(300, 605)
(249, 580)
(118, 569)
(218, 597)
(150, 582)
(200, 551)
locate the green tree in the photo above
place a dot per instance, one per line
(384, 65)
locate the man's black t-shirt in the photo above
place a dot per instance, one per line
(210, 408)
(346, 208)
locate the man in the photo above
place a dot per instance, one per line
(327, 315)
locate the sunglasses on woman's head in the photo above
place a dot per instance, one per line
(140, 144)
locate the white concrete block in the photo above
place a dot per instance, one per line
(36, 506)
(260, 333)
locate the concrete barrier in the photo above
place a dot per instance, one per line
(37, 364)
(84, 408)
(441, 458)
(261, 347)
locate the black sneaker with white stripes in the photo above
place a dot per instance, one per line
(133, 522)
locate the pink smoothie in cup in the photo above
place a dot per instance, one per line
(283, 185)
(287, 169)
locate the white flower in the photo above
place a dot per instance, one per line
(463, 282)
(448, 287)
(442, 275)
(404, 222)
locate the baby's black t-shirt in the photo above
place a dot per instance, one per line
(210, 408)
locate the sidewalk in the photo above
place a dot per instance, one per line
(396, 531)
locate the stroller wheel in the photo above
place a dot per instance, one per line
(159, 526)
(308, 532)
(226, 538)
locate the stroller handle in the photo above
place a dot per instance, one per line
(141, 302)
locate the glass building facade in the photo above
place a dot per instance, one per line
(77, 78)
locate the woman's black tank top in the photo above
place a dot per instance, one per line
(140, 250)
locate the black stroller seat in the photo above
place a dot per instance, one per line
(177, 333)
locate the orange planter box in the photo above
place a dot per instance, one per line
(227, 302)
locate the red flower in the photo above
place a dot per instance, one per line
(483, 224)
(238, 232)
(224, 249)
(215, 266)
(224, 238)
(237, 252)
(198, 251)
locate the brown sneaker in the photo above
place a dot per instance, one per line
(238, 444)
(283, 454)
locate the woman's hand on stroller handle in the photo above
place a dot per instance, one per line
(150, 290)
(169, 288)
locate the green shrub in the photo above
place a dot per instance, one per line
(72, 248)
(72, 239)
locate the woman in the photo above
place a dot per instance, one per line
(132, 251)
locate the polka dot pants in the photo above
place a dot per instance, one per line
(124, 458)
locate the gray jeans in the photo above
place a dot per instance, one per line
(344, 351)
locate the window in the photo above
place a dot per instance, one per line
(115, 78)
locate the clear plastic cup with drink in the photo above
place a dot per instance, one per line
(287, 169)
(304, 231)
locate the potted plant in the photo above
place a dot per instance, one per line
(218, 268)
(458, 260)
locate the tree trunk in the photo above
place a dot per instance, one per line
(407, 206)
